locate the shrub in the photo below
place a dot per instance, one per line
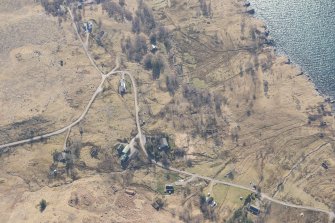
(42, 205)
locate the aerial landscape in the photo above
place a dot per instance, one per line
(167, 111)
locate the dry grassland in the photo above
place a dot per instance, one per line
(238, 108)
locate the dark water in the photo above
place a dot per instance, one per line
(305, 31)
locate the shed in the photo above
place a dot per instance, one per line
(155, 205)
(88, 27)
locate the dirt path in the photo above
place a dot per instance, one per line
(82, 42)
(264, 196)
(88, 106)
(136, 111)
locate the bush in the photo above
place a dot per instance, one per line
(42, 205)
(189, 163)
(162, 34)
(179, 152)
(128, 15)
(153, 38)
(165, 160)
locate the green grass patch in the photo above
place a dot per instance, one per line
(228, 195)
(201, 84)
(164, 179)
(187, 58)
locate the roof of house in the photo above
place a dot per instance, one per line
(123, 83)
(163, 143)
(155, 205)
(126, 149)
(254, 210)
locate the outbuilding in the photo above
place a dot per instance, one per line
(163, 144)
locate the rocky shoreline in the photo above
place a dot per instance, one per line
(271, 42)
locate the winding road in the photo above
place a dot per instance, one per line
(140, 136)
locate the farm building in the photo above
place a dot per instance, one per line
(163, 144)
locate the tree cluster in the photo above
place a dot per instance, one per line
(135, 48)
(53, 7)
(172, 84)
(240, 215)
(197, 97)
(117, 11)
(144, 20)
(206, 210)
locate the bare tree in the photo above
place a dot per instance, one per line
(146, 16)
(172, 84)
(147, 61)
(136, 25)
(157, 66)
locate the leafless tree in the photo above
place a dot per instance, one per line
(172, 84)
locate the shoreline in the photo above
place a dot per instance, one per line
(280, 52)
